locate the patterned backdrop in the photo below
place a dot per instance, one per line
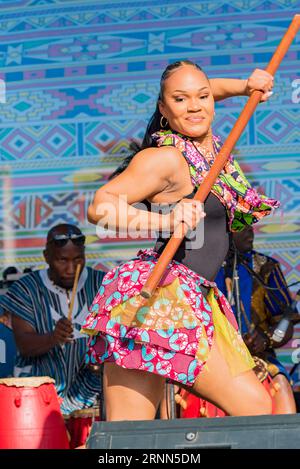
(81, 81)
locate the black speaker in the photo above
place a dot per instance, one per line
(259, 432)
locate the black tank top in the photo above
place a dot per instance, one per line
(207, 259)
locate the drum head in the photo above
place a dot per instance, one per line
(30, 382)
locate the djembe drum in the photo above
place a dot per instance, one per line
(79, 424)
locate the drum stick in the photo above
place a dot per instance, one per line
(74, 292)
(203, 191)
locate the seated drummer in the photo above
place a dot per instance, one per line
(48, 343)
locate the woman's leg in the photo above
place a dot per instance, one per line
(284, 397)
(236, 395)
(131, 394)
(135, 395)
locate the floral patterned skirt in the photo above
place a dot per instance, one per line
(172, 334)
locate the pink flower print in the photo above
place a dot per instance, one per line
(177, 314)
(162, 307)
(144, 274)
(120, 349)
(165, 354)
(163, 367)
(114, 299)
(178, 341)
(148, 353)
(252, 198)
(191, 348)
(163, 324)
(190, 321)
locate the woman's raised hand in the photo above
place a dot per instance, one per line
(262, 81)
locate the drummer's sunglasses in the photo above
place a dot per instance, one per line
(61, 240)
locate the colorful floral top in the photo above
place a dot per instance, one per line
(244, 204)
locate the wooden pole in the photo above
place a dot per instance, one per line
(74, 292)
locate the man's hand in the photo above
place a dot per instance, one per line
(63, 331)
(256, 342)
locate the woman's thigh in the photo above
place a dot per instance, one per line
(131, 394)
(236, 395)
(135, 395)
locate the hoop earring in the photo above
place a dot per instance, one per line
(161, 122)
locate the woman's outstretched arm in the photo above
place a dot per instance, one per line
(223, 88)
(150, 172)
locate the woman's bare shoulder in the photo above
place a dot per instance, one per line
(165, 159)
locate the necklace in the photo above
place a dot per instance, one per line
(208, 155)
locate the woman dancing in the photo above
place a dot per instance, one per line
(186, 332)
